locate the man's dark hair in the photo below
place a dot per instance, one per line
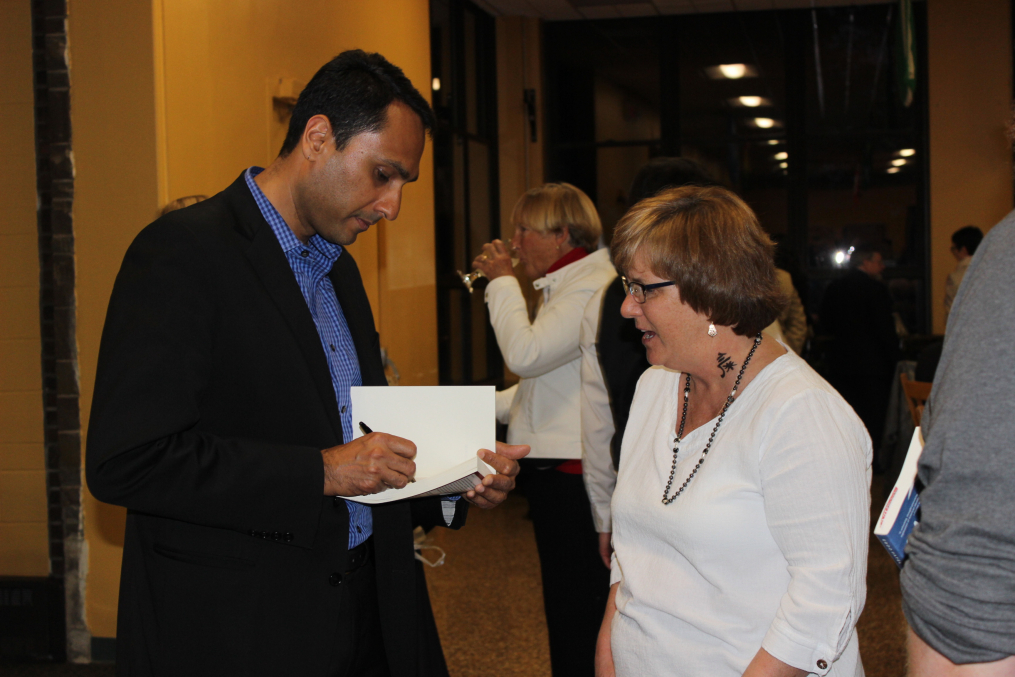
(354, 91)
(968, 237)
(667, 172)
(862, 253)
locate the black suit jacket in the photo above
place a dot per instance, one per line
(212, 403)
(622, 359)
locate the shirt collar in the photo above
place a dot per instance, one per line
(286, 238)
(575, 254)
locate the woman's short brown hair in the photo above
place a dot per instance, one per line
(550, 207)
(709, 242)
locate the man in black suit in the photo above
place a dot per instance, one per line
(857, 312)
(221, 414)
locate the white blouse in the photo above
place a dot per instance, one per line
(542, 409)
(767, 546)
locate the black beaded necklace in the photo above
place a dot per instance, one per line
(711, 438)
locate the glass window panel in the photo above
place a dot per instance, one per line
(480, 226)
(714, 106)
(479, 323)
(470, 68)
(852, 199)
(856, 86)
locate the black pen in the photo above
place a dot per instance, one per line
(366, 431)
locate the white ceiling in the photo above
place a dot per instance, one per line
(574, 10)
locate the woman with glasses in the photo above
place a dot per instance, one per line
(556, 234)
(741, 509)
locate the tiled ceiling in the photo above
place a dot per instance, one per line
(576, 10)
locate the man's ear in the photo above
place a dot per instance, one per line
(315, 137)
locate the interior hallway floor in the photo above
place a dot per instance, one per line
(487, 599)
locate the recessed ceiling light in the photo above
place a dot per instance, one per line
(782, 156)
(893, 170)
(436, 84)
(731, 71)
(898, 162)
(751, 101)
(784, 165)
(773, 142)
(907, 152)
(764, 123)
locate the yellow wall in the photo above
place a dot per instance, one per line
(970, 54)
(113, 119)
(519, 66)
(24, 548)
(173, 99)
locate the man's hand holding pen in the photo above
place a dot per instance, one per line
(495, 488)
(368, 464)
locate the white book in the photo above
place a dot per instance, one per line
(448, 425)
(899, 515)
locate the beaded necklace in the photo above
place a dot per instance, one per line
(711, 438)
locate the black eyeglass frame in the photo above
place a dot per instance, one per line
(632, 287)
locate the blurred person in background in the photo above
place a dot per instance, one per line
(857, 312)
(556, 233)
(742, 503)
(964, 244)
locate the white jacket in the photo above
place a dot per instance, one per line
(543, 409)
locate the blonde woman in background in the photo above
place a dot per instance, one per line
(556, 234)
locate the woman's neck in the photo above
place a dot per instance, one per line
(719, 366)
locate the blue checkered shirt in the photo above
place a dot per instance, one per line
(311, 264)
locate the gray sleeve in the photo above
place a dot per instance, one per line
(958, 584)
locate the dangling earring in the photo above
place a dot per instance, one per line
(711, 330)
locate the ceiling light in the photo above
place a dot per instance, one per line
(906, 152)
(751, 101)
(731, 71)
(898, 162)
(782, 156)
(773, 142)
(839, 257)
(893, 170)
(764, 123)
(436, 84)
(784, 165)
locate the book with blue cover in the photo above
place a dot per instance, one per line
(900, 513)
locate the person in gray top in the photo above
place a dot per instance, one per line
(958, 584)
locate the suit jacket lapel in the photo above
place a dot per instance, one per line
(271, 266)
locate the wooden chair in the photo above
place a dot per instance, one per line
(916, 393)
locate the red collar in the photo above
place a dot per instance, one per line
(576, 254)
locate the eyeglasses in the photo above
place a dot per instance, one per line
(637, 289)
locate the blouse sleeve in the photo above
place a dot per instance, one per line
(596, 421)
(815, 472)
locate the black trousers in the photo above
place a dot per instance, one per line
(359, 647)
(575, 581)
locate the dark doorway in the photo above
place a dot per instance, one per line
(465, 184)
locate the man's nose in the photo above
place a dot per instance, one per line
(390, 204)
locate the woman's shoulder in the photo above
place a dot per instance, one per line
(790, 378)
(656, 380)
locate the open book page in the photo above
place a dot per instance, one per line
(448, 424)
